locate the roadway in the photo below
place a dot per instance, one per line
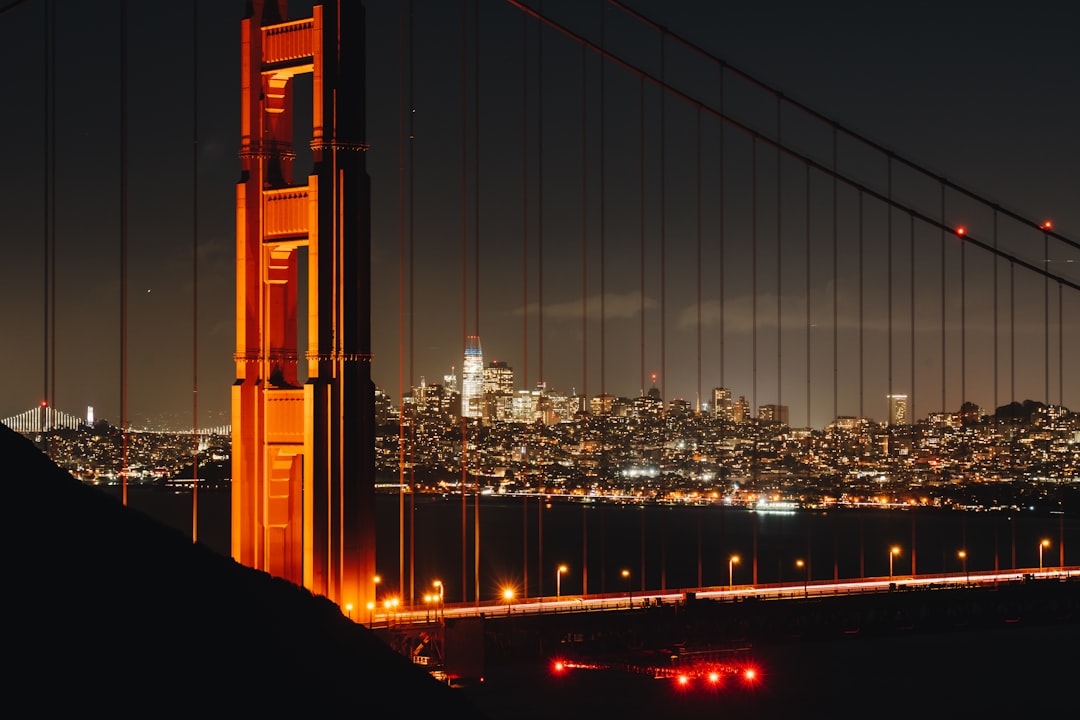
(391, 614)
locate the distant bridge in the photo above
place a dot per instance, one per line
(43, 418)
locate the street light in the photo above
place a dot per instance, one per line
(508, 596)
(1043, 544)
(802, 566)
(893, 552)
(348, 610)
(370, 614)
(439, 610)
(963, 562)
(731, 570)
(629, 589)
(558, 580)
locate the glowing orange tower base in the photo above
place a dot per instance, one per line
(303, 454)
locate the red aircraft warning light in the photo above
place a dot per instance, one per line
(961, 230)
(1047, 225)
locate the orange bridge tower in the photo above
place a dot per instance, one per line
(303, 446)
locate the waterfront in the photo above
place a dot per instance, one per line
(662, 547)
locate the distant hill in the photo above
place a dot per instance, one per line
(105, 608)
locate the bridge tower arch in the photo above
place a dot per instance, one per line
(303, 449)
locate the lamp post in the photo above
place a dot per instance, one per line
(558, 580)
(348, 610)
(370, 614)
(893, 552)
(731, 570)
(629, 589)
(508, 596)
(802, 566)
(1043, 544)
(963, 564)
(439, 609)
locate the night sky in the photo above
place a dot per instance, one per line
(985, 98)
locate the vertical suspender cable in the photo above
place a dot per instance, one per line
(753, 284)
(123, 249)
(889, 286)
(755, 408)
(412, 310)
(1046, 315)
(835, 278)
(663, 279)
(862, 344)
(663, 233)
(195, 269)
(584, 288)
(1061, 348)
(48, 371)
(697, 208)
(723, 223)
(1012, 331)
(51, 354)
(401, 298)
(944, 402)
(464, 304)
(525, 273)
(806, 262)
(584, 233)
(995, 230)
(779, 261)
(641, 225)
(540, 274)
(476, 261)
(911, 291)
(963, 320)
(603, 262)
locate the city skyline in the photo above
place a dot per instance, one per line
(992, 120)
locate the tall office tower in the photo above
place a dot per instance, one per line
(499, 378)
(740, 411)
(721, 403)
(897, 409)
(450, 382)
(472, 379)
(773, 413)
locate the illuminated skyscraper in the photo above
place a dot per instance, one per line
(499, 378)
(897, 409)
(721, 403)
(472, 379)
(773, 413)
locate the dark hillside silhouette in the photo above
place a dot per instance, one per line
(105, 608)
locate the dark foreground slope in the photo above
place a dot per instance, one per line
(105, 608)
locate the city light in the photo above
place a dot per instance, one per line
(732, 562)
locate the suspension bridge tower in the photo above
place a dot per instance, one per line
(303, 446)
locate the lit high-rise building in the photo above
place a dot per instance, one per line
(499, 378)
(897, 409)
(450, 382)
(740, 411)
(773, 413)
(472, 379)
(721, 403)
